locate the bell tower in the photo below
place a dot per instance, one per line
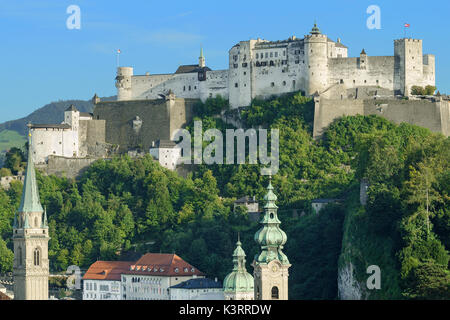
(271, 265)
(30, 237)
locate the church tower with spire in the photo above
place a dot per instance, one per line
(238, 285)
(271, 264)
(30, 237)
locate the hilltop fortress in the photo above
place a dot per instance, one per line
(261, 68)
(151, 107)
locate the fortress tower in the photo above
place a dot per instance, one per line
(123, 83)
(411, 66)
(316, 60)
(271, 265)
(30, 237)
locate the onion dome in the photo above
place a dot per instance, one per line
(239, 280)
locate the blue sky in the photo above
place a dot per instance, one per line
(43, 61)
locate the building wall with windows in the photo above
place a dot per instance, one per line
(101, 290)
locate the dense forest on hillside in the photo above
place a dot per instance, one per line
(121, 208)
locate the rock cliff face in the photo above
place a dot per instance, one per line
(348, 287)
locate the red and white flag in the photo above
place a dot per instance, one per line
(406, 25)
(118, 51)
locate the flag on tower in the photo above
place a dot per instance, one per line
(406, 25)
(118, 51)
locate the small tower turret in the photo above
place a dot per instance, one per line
(363, 60)
(201, 59)
(123, 83)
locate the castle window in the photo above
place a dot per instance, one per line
(297, 61)
(365, 81)
(195, 87)
(184, 88)
(235, 84)
(271, 54)
(354, 81)
(275, 294)
(244, 64)
(245, 73)
(257, 55)
(284, 53)
(37, 257)
(341, 81)
(272, 84)
(267, 55)
(276, 54)
(284, 83)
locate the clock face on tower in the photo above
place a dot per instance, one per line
(274, 269)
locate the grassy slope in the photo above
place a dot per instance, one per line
(9, 139)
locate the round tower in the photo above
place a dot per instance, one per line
(316, 61)
(123, 83)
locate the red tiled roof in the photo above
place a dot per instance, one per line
(4, 296)
(107, 270)
(162, 264)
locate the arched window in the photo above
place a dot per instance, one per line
(36, 222)
(275, 293)
(37, 257)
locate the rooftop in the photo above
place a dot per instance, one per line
(199, 283)
(107, 270)
(191, 68)
(163, 264)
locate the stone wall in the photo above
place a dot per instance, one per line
(433, 115)
(65, 167)
(158, 119)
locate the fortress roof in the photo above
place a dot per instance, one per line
(50, 126)
(191, 68)
(71, 108)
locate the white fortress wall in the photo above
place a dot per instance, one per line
(379, 71)
(52, 141)
(216, 84)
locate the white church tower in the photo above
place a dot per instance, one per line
(30, 237)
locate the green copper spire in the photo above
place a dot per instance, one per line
(270, 237)
(239, 280)
(30, 195)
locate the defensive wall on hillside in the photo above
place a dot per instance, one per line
(432, 113)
